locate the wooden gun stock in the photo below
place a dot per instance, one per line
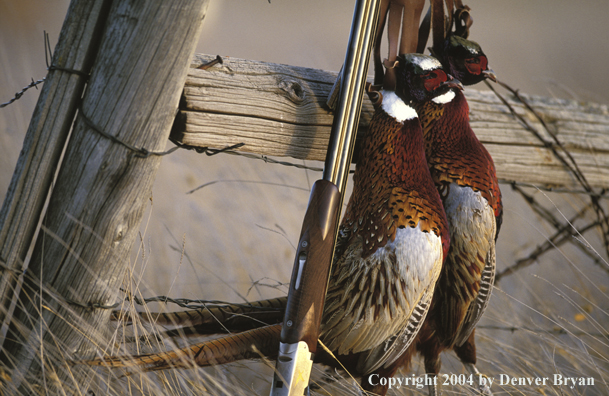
(311, 267)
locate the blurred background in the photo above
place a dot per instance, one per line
(234, 240)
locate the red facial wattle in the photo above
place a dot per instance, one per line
(434, 79)
(476, 65)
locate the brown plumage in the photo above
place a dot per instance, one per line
(371, 297)
(215, 318)
(250, 344)
(464, 173)
(456, 157)
(393, 190)
(391, 245)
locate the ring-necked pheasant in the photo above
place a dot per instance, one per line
(465, 175)
(394, 230)
(392, 241)
(462, 169)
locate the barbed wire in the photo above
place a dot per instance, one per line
(569, 162)
(564, 156)
(196, 304)
(143, 152)
(559, 238)
(559, 331)
(563, 234)
(19, 94)
(602, 194)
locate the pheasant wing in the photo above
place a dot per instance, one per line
(392, 349)
(478, 306)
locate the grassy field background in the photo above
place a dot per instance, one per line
(233, 240)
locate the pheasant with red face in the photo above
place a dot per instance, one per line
(393, 236)
(392, 242)
(464, 173)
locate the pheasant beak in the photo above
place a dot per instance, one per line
(452, 83)
(490, 75)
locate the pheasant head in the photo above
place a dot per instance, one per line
(465, 60)
(421, 78)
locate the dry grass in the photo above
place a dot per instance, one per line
(550, 318)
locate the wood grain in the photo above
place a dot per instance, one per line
(279, 110)
(82, 252)
(44, 141)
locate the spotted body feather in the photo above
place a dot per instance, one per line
(396, 237)
(465, 175)
(391, 244)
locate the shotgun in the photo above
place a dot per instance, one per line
(309, 281)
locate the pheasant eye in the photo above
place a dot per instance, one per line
(434, 79)
(476, 65)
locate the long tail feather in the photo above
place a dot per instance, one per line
(247, 345)
(230, 314)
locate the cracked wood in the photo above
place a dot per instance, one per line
(279, 110)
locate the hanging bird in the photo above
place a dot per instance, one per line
(393, 231)
(465, 59)
(389, 253)
(464, 173)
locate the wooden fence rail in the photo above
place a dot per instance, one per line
(279, 110)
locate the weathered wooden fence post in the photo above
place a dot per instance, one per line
(46, 138)
(94, 213)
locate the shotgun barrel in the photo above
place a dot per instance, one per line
(308, 285)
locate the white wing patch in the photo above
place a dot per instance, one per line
(472, 223)
(395, 107)
(444, 98)
(377, 295)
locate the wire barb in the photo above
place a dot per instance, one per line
(564, 156)
(19, 94)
